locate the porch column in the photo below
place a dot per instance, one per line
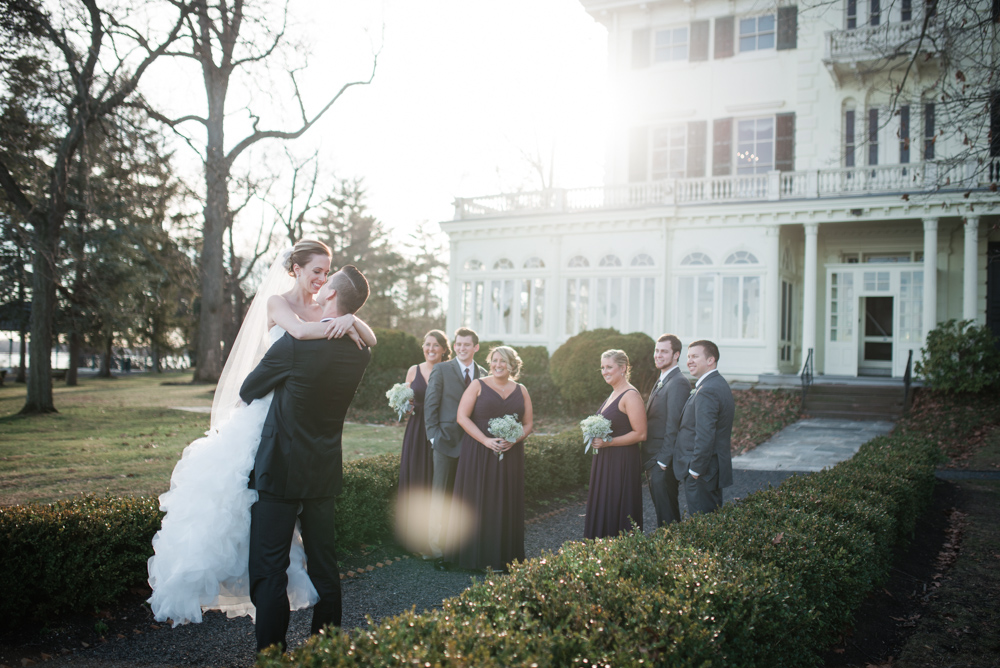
(930, 274)
(809, 290)
(772, 299)
(969, 291)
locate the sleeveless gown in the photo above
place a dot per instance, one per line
(615, 496)
(491, 489)
(416, 463)
(202, 548)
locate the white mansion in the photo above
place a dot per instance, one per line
(762, 196)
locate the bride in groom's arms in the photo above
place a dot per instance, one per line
(201, 551)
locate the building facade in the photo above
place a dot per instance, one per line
(762, 194)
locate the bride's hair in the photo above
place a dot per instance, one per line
(302, 251)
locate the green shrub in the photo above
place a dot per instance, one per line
(575, 366)
(366, 505)
(370, 403)
(535, 359)
(395, 350)
(960, 356)
(768, 581)
(72, 555)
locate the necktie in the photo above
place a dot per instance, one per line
(467, 378)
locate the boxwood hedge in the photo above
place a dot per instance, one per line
(86, 552)
(769, 581)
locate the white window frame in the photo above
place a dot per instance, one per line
(741, 154)
(676, 143)
(673, 39)
(756, 34)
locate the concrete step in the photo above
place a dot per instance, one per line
(858, 402)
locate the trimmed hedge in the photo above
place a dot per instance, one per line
(87, 552)
(769, 581)
(575, 366)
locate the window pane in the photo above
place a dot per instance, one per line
(730, 307)
(601, 319)
(584, 303)
(647, 305)
(751, 306)
(614, 304)
(571, 306)
(706, 302)
(765, 23)
(634, 305)
(525, 307)
(539, 305)
(480, 301)
(748, 26)
(685, 304)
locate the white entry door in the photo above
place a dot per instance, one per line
(841, 324)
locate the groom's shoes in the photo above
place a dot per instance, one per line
(441, 565)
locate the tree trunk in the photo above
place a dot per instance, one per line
(213, 279)
(22, 365)
(74, 359)
(105, 371)
(43, 305)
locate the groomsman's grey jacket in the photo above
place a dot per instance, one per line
(444, 390)
(663, 418)
(706, 433)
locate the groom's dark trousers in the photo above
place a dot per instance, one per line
(297, 473)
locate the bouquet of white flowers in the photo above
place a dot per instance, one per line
(400, 399)
(595, 426)
(507, 428)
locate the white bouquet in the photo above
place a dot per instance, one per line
(507, 428)
(595, 426)
(400, 399)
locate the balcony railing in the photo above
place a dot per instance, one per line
(876, 42)
(914, 178)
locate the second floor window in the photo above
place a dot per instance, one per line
(852, 14)
(669, 148)
(928, 132)
(757, 33)
(755, 145)
(670, 44)
(849, 137)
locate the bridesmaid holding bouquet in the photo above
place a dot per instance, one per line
(416, 467)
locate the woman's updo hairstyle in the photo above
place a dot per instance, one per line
(303, 251)
(508, 355)
(620, 358)
(442, 340)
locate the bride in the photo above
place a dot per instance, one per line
(201, 550)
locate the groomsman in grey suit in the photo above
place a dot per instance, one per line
(444, 390)
(663, 417)
(705, 463)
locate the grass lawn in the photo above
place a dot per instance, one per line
(120, 436)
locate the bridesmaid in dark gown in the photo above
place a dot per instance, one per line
(614, 501)
(415, 460)
(490, 489)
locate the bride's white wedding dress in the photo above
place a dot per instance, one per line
(202, 549)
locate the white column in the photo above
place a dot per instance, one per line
(930, 274)
(771, 299)
(969, 291)
(809, 292)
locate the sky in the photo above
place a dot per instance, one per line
(462, 91)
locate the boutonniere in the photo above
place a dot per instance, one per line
(659, 384)
(694, 392)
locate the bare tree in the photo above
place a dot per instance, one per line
(97, 60)
(219, 38)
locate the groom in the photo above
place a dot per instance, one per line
(299, 468)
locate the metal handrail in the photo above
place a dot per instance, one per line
(806, 376)
(907, 381)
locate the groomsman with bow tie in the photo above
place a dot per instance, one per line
(663, 417)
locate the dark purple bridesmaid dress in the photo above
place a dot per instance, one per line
(615, 497)
(491, 489)
(415, 460)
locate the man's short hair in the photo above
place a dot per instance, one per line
(711, 350)
(675, 343)
(465, 331)
(352, 288)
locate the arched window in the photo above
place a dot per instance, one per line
(578, 261)
(741, 257)
(610, 261)
(473, 265)
(534, 263)
(503, 263)
(642, 260)
(696, 259)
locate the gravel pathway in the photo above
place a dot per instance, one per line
(219, 641)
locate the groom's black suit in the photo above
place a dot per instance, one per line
(299, 464)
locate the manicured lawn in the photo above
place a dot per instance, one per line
(120, 436)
